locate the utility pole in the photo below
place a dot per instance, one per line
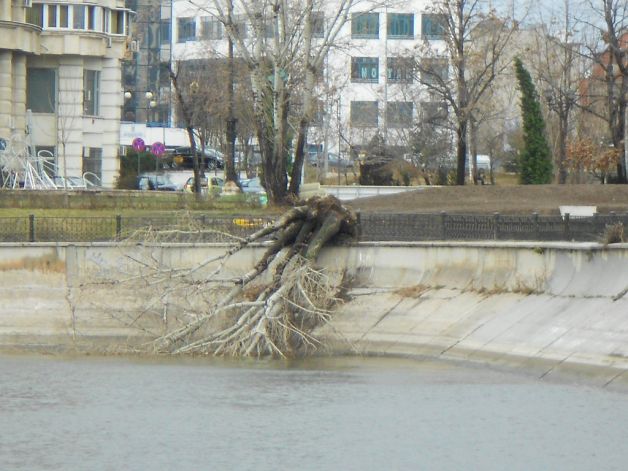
(230, 171)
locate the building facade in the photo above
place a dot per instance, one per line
(60, 81)
(368, 85)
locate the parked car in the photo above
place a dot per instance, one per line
(252, 185)
(333, 161)
(210, 159)
(156, 181)
(212, 185)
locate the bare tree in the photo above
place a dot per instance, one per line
(558, 67)
(608, 85)
(474, 42)
(284, 54)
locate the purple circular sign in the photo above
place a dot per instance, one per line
(157, 149)
(138, 144)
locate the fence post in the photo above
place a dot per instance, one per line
(566, 226)
(118, 226)
(537, 231)
(31, 228)
(443, 221)
(495, 226)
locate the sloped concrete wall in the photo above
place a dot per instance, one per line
(550, 307)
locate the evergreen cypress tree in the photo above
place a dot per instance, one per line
(535, 161)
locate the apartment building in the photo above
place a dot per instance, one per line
(369, 84)
(60, 81)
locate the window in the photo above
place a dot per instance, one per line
(41, 90)
(433, 26)
(92, 161)
(117, 24)
(365, 25)
(63, 16)
(433, 71)
(433, 112)
(364, 114)
(91, 92)
(211, 28)
(400, 69)
(78, 16)
(400, 25)
(365, 69)
(318, 24)
(239, 23)
(52, 16)
(164, 31)
(399, 114)
(187, 29)
(35, 15)
(91, 17)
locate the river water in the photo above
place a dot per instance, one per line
(335, 414)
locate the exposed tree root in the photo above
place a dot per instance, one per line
(272, 309)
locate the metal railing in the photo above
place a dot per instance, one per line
(372, 227)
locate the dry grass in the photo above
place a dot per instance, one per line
(46, 264)
(519, 199)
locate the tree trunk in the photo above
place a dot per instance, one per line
(461, 151)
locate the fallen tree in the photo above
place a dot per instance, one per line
(270, 310)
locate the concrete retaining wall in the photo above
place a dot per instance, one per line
(550, 307)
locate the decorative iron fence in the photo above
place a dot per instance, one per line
(373, 227)
(443, 226)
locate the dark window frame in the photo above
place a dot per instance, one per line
(364, 114)
(365, 69)
(186, 29)
(433, 26)
(365, 25)
(394, 21)
(34, 86)
(400, 69)
(399, 114)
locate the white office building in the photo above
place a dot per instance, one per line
(369, 85)
(60, 81)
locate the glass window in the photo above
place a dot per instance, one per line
(91, 92)
(187, 29)
(52, 16)
(78, 15)
(91, 17)
(35, 15)
(400, 69)
(364, 114)
(164, 31)
(365, 25)
(365, 69)
(63, 16)
(211, 28)
(318, 24)
(92, 161)
(399, 114)
(433, 26)
(434, 71)
(240, 25)
(400, 25)
(41, 90)
(433, 112)
(117, 24)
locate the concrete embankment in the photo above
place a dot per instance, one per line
(551, 308)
